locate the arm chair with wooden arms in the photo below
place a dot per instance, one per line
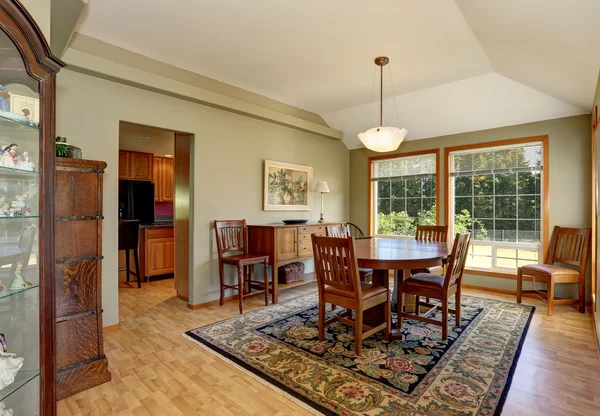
(232, 236)
(343, 231)
(437, 287)
(434, 233)
(339, 284)
(570, 247)
(356, 232)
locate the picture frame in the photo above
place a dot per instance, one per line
(287, 187)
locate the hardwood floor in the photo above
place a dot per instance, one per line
(157, 372)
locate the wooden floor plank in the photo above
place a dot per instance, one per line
(158, 372)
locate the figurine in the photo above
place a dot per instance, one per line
(8, 158)
(3, 207)
(4, 95)
(9, 366)
(18, 281)
(24, 163)
(4, 411)
(3, 346)
(21, 205)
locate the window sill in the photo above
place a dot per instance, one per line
(492, 272)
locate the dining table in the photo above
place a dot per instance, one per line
(401, 255)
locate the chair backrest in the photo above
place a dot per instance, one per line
(339, 231)
(336, 264)
(437, 233)
(129, 232)
(458, 258)
(356, 232)
(231, 236)
(570, 246)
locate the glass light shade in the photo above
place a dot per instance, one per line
(322, 187)
(383, 139)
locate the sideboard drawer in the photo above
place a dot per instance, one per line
(306, 237)
(305, 249)
(312, 229)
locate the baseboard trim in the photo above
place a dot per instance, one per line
(111, 328)
(596, 334)
(183, 298)
(208, 304)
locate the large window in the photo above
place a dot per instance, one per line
(497, 192)
(404, 193)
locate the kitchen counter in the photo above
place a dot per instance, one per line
(158, 225)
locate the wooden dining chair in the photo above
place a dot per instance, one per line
(232, 237)
(570, 248)
(343, 231)
(437, 287)
(339, 284)
(434, 233)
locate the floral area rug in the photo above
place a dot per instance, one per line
(469, 374)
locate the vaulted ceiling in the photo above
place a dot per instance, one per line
(456, 66)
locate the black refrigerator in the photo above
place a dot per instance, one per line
(136, 201)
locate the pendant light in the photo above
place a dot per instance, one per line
(382, 139)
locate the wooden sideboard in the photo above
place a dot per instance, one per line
(284, 244)
(80, 360)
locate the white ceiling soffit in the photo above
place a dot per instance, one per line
(457, 65)
(477, 103)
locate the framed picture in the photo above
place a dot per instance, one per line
(288, 187)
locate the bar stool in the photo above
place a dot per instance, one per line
(129, 232)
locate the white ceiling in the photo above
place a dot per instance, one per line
(457, 66)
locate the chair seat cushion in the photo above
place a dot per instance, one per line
(548, 269)
(427, 280)
(368, 290)
(430, 270)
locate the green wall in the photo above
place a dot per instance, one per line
(569, 195)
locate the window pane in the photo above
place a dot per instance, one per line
(528, 255)
(398, 188)
(463, 203)
(402, 225)
(483, 207)
(483, 230)
(463, 162)
(483, 161)
(529, 183)
(480, 250)
(398, 204)
(413, 188)
(506, 158)
(510, 253)
(429, 187)
(413, 206)
(506, 230)
(529, 207)
(506, 184)
(508, 263)
(529, 231)
(481, 262)
(483, 185)
(428, 204)
(506, 207)
(383, 189)
(463, 186)
(383, 206)
(529, 156)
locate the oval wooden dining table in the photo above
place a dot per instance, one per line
(401, 255)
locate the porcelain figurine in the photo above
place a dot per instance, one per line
(8, 158)
(20, 204)
(24, 163)
(9, 366)
(4, 411)
(19, 281)
(3, 206)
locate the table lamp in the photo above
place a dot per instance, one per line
(324, 189)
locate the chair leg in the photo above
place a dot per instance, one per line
(127, 266)
(322, 305)
(136, 261)
(417, 305)
(445, 318)
(222, 279)
(582, 295)
(333, 307)
(388, 319)
(550, 296)
(241, 289)
(399, 309)
(266, 276)
(457, 305)
(519, 285)
(358, 332)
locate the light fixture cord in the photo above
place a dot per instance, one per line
(372, 90)
(394, 93)
(381, 99)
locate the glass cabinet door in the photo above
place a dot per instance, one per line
(19, 234)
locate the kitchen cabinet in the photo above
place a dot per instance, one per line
(163, 178)
(135, 166)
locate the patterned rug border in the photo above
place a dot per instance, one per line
(311, 406)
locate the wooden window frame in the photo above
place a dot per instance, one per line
(545, 190)
(399, 155)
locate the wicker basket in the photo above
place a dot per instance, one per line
(292, 272)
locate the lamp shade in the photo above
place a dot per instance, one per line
(322, 187)
(383, 139)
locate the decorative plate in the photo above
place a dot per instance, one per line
(290, 222)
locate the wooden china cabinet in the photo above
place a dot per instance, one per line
(27, 110)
